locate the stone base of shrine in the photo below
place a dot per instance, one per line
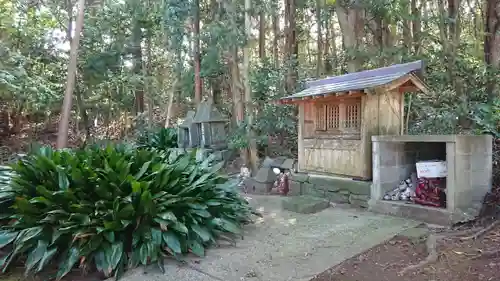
(417, 212)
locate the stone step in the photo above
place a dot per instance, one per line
(336, 190)
(304, 204)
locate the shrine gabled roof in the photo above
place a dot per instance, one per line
(208, 113)
(357, 81)
(188, 121)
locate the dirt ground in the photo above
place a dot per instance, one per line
(458, 260)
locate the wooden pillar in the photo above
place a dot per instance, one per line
(300, 142)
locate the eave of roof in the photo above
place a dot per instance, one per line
(362, 80)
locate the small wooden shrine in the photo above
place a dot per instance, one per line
(338, 115)
(205, 128)
(187, 136)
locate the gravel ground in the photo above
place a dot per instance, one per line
(286, 246)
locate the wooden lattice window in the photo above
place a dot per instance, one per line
(332, 117)
(352, 116)
(320, 117)
(339, 118)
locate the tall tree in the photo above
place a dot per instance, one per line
(196, 54)
(252, 146)
(351, 23)
(492, 42)
(262, 33)
(276, 33)
(319, 41)
(138, 61)
(62, 136)
(291, 46)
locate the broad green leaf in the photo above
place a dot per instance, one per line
(180, 227)
(168, 216)
(63, 179)
(126, 212)
(213, 202)
(110, 236)
(136, 187)
(143, 170)
(172, 241)
(196, 248)
(102, 263)
(116, 254)
(30, 233)
(229, 226)
(156, 236)
(36, 255)
(144, 254)
(201, 213)
(47, 257)
(68, 262)
(202, 232)
(6, 237)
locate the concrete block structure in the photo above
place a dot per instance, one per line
(469, 165)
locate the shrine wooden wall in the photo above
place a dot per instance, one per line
(382, 113)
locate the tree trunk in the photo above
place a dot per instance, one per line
(351, 23)
(62, 134)
(276, 34)
(197, 63)
(137, 55)
(252, 146)
(319, 23)
(262, 35)
(416, 26)
(492, 43)
(407, 39)
(170, 102)
(148, 75)
(292, 49)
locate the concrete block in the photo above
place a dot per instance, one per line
(304, 204)
(359, 200)
(388, 159)
(430, 215)
(312, 190)
(337, 197)
(479, 162)
(259, 188)
(359, 197)
(335, 184)
(300, 177)
(359, 203)
(344, 192)
(322, 181)
(331, 188)
(358, 187)
(481, 178)
(306, 188)
(294, 188)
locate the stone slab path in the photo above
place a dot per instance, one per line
(285, 246)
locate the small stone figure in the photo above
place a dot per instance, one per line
(282, 184)
(243, 176)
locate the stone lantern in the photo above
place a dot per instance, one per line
(210, 126)
(187, 133)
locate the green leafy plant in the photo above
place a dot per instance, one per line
(114, 208)
(163, 139)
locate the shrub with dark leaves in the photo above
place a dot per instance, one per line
(162, 139)
(113, 208)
